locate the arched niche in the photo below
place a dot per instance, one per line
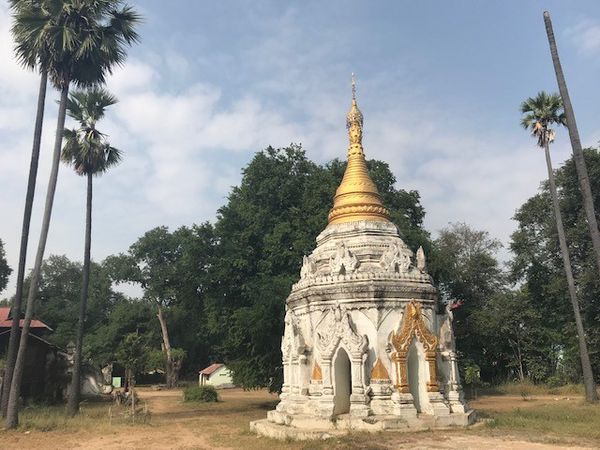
(418, 376)
(342, 386)
(414, 329)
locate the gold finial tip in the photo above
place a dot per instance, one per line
(357, 197)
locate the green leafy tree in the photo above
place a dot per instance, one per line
(90, 154)
(132, 354)
(59, 295)
(514, 335)
(124, 316)
(539, 265)
(466, 268)
(269, 222)
(84, 41)
(5, 270)
(579, 160)
(171, 268)
(540, 113)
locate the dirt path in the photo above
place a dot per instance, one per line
(176, 425)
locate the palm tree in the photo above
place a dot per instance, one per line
(539, 113)
(34, 59)
(85, 39)
(580, 166)
(89, 152)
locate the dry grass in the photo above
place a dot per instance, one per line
(512, 423)
(92, 415)
(528, 389)
(559, 418)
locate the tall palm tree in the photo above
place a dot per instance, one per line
(90, 153)
(540, 113)
(580, 166)
(85, 40)
(34, 59)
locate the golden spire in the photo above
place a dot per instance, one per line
(357, 197)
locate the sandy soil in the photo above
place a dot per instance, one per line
(176, 425)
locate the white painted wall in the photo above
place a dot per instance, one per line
(220, 378)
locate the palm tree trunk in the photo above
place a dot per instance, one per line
(12, 412)
(588, 377)
(13, 343)
(75, 389)
(582, 173)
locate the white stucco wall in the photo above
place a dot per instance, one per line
(220, 378)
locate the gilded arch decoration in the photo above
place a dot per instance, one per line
(414, 327)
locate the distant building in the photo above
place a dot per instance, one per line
(217, 375)
(45, 363)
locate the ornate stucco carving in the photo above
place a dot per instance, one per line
(292, 344)
(343, 262)
(395, 259)
(446, 333)
(340, 329)
(309, 267)
(414, 327)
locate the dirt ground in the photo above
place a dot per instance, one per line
(173, 424)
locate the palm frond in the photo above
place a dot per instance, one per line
(86, 148)
(539, 113)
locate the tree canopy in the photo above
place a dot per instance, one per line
(269, 222)
(537, 262)
(223, 287)
(5, 270)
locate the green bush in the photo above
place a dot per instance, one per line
(202, 394)
(554, 382)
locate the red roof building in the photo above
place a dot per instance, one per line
(216, 375)
(6, 321)
(210, 369)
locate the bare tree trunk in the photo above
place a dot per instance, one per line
(75, 388)
(521, 371)
(167, 347)
(12, 412)
(582, 173)
(584, 181)
(13, 343)
(516, 349)
(588, 377)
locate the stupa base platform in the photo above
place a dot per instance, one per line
(305, 427)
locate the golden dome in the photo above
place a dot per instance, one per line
(357, 197)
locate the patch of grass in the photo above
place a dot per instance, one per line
(91, 416)
(527, 389)
(567, 419)
(201, 394)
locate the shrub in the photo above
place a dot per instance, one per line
(554, 382)
(203, 394)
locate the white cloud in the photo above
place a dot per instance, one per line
(185, 143)
(585, 36)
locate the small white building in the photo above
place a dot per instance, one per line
(217, 375)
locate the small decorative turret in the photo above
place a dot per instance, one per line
(357, 197)
(421, 260)
(379, 372)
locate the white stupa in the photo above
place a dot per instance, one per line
(364, 346)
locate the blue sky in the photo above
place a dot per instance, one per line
(211, 83)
